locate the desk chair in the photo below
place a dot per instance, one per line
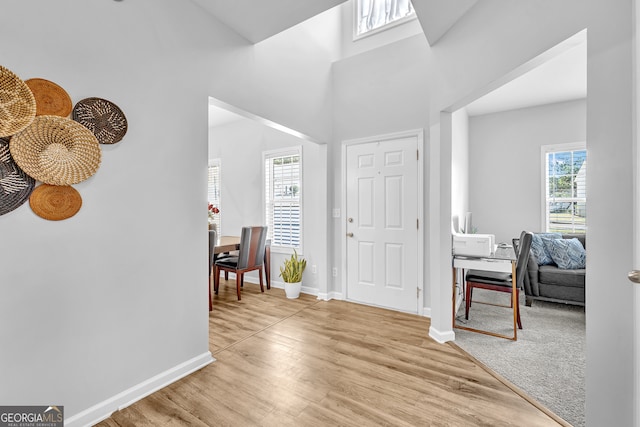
(250, 257)
(501, 282)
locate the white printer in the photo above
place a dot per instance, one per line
(473, 244)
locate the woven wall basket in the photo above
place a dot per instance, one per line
(56, 150)
(15, 185)
(17, 104)
(103, 118)
(55, 202)
(51, 99)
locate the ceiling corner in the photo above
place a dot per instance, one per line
(439, 16)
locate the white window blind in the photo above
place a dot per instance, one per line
(213, 191)
(373, 15)
(565, 189)
(283, 198)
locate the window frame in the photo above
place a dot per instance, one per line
(270, 154)
(545, 211)
(356, 17)
(217, 220)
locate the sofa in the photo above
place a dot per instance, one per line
(547, 281)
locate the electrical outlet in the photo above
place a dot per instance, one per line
(334, 272)
(336, 212)
(314, 270)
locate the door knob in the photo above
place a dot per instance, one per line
(349, 234)
(634, 276)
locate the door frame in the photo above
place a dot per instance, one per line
(419, 135)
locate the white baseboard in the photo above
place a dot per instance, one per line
(426, 312)
(330, 295)
(441, 337)
(103, 410)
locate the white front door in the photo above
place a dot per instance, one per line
(382, 223)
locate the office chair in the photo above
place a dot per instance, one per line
(502, 282)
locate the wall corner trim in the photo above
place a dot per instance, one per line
(104, 409)
(441, 337)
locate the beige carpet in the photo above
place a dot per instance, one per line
(548, 359)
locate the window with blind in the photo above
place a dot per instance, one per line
(213, 191)
(565, 188)
(374, 15)
(283, 197)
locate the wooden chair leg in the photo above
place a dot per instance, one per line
(260, 274)
(467, 301)
(209, 286)
(238, 280)
(216, 278)
(226, 275)
(518, 310)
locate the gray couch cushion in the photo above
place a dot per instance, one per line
(563, 293)
(552, 275)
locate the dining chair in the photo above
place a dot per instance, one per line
(502, 282)
(213, 237)
(250, 257)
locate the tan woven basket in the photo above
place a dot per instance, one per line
(55, 202)
(56, 150)
(17, 104)
(51, 99)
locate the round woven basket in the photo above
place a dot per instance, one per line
(56, 150)
(15, 185)
(17, 104)
(51, 99)
(107, 122)
(55, 202)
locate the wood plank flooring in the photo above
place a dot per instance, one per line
(306, 362)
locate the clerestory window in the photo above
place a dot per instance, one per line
(375, 15)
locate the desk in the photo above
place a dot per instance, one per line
(503, 260)
(232, 243)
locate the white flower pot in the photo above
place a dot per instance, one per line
(292, 289)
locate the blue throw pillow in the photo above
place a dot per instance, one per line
(538, 248)
(568, 254)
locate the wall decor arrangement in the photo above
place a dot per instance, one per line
(40, 142)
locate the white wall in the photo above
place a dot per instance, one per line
(460, 166)
(497, 36)
(240, 145)
(505, 167)
(102, 302)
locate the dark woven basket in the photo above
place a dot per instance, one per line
(107, 122)
(15, 185)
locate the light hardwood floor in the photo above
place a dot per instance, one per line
(306, 362)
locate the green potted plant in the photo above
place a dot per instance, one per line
(291, 273)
